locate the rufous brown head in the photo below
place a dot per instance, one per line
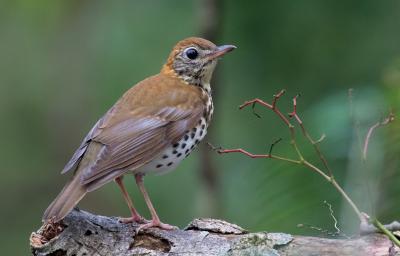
(194, 59)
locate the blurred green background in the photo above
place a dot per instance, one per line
(64, 63)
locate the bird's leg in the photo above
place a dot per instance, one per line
(135, 215)
(155, 220)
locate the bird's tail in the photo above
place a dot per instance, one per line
(71, 194)
(75, 190)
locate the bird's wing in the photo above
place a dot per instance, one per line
(152, 115)
(78, 155)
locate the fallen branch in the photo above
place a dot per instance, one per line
(83, 233)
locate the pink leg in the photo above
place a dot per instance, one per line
(155, 220)
(135, 215)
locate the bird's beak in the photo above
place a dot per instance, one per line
(220, 51)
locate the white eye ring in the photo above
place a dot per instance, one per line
(191, 53)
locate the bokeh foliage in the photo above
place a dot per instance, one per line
(64, 63)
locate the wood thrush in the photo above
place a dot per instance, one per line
(150, 129)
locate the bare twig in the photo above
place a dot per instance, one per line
(253, 107)
(323, 136)
(213, 147)
(242, 151)
(337, 233)
(319, 229)
(273, 145)
(272, 106)
(387, 120)
(335, 222)
(364, 219)
(375, 222)
(333, 216)
(293, 142)
(277, 96)
(308, 136)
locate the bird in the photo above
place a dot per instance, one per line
(149, 130)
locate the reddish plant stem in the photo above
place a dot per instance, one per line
(275, 109)
(272, 106)
(330, 178)
(301, 160)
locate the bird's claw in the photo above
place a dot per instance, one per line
(155, 224)
(136, 219)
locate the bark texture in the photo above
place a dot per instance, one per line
(83, 233)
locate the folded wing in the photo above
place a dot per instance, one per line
(148, 118)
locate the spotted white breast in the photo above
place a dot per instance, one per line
(174, 154)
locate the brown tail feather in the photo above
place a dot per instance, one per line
(74, 191)
(71, 194)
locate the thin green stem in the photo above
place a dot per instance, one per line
(317, 170)
(332, 180)
(348, 199)
(296, 148)
(384, 230)
(285, 159)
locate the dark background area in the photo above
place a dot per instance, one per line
(64, 63)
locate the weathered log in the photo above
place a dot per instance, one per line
(83, 233)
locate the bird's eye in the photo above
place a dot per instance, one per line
(191, 53)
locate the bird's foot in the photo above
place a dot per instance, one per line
(155, 223)
(136, 218)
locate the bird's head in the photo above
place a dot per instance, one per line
(194, 59)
